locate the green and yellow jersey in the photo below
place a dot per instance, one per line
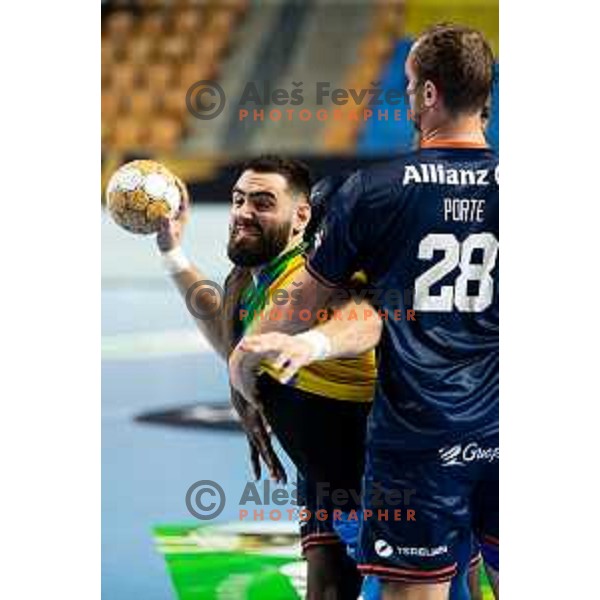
(350, 379)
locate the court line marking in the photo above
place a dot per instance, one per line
(154, 344)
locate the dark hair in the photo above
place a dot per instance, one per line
(459, 61)
(295, 172)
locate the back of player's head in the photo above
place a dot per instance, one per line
(295, 172)
(459, 62)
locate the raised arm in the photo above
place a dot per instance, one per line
(202, 301)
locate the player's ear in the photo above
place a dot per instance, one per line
(302, 215)
(430, 94)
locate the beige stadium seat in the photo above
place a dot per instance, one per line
(173, 104)
(107, 52)
(195, 71)
(106, 131)
(377, 48)
(363, 75)
(110, 105)
(128, 134)
(154, 23)
(163, 135)
(339, 139)
(189, 21)
(158, 77)
(119, 24)
(210, 47)
(123, 76)
(175, 47)
(221, 21)
(141, 49)
(141, 103)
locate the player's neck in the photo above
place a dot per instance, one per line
(467, 130)
(292, 243)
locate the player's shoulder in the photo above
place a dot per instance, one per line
(383, 180)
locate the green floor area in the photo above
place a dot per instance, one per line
(231, 562)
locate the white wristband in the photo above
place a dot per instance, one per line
(175, 261)
(320, 343)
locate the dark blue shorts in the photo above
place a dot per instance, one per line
(325, 438)
(422, 508)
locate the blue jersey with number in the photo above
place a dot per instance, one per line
(424, 228)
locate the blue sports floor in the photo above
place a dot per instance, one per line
(153, 358)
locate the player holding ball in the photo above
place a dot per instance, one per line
(427, 221)
(320, 416)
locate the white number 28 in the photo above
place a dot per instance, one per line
(461, 255)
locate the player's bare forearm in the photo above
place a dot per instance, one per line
(353, 332)
(186, 275)
(202, 300)
(356, 329)
(350, 334)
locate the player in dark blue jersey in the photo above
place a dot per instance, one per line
(424, 228)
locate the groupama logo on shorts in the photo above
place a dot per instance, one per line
(383, 549)
(459, 456)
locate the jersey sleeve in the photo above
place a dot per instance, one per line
(340, 241)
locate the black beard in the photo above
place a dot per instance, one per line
(258, 251)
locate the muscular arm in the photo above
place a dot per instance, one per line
(356, 329)
(202, 301)
(349, 337)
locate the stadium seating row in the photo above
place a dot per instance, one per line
(151, 54)
(154, 50)
(377, 46)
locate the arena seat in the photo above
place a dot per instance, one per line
(341, 135)
(141, 103)
(127, 134)
(124, 76)
(163, 135)
(152, 52)
(381, 135)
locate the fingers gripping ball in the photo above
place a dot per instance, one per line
(140, 194)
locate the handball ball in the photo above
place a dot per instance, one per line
(140, 194)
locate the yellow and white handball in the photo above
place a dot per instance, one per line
(140, 193)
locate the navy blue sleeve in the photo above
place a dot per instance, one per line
(339, 242)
